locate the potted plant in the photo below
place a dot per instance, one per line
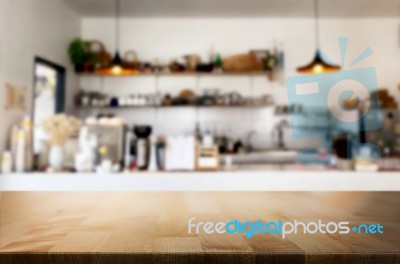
(77, 51)
(91, 62)
(80, 56)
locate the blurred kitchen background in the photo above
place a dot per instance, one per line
(187, 85)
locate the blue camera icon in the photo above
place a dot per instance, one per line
(339, 102)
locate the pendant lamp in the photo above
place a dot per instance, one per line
(318, 65)
(117, 67)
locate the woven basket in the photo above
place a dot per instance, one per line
(131, 61)
(97, 49)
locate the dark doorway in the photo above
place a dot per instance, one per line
(49, 95)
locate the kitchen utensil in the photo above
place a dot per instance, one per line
(209, 97)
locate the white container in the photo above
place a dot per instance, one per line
(153, 155)
(56, 157)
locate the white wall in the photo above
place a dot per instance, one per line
(171, 38)
(30, 28)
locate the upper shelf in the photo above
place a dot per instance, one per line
(194, 74)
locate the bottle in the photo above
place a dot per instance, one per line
(20, 159)
(218, 63)
(13, 141)
(27, 127)
(6, 162)
(197, 132)
(212, 54)
(281, 57)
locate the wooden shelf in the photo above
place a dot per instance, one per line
(172, 74)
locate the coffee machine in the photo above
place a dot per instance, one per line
(112, 138)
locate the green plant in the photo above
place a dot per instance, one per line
(94, 59)
(77, 51)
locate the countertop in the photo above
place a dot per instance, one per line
(236, 180)
(133, 227)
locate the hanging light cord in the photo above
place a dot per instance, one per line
(316, 13)
(117, 15)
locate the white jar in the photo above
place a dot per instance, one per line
(56, 157)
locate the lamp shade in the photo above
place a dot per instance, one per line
(117, 66)
(117, 61)
(317, 66)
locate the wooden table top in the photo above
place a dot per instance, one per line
(150, 227)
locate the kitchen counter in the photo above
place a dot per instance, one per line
(239, 180)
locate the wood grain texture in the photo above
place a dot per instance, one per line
(138, 227)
